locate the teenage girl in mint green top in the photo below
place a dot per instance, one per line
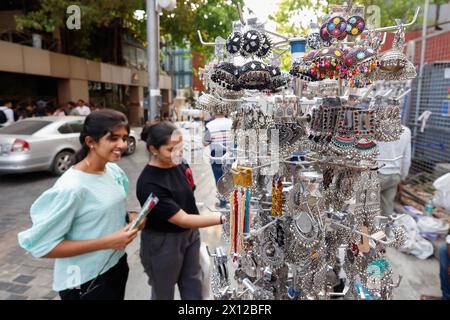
(81, 220)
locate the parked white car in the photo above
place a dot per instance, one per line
(46, 143)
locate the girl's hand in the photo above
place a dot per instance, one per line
(133, 216)
(120, 239)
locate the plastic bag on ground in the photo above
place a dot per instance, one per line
(441, 196)
(415, 244)
(432, 225)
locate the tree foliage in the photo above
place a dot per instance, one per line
(212, 17)
(178, 27)
(50, 16)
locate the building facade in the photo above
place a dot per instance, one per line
(32, 69)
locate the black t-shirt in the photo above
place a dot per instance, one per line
(175, 189)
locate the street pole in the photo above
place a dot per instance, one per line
(154, 93)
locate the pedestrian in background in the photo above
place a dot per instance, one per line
(29, 110)
(21, 112)
(15, 109)
(69, 107)
(59, 112)
(6, 113)
(94, 107)
(81, 220)
(218, 137)
(393, 172)
(207, 117)
(82, 109)
(170, 242)
(444, 272)
(72, 107)
(41, 109)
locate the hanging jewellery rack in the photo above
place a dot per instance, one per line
(383, 41)
(403, 94)
(255, 233)
(250, 287)
(339, 162)
(329, 161)
(347, 288)
(253, 168)
(231, 149)
(286, 40)
(207, 44)
(253, 200)
(370, 90)
(244, 23)
(389, 28)
(383, 29)
(353, 230)
(394, 28)
(385, 95)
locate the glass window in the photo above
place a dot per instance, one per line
(76, 127)
(141, 58)
(65, 129)
(188, 80)
(28, 127)
(179, 64)
(187, 64)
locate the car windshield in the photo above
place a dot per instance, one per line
(25, 127)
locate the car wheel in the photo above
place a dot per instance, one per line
(62, 162)
(131, 146)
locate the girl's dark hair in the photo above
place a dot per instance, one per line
(97, 125)
(158, 134)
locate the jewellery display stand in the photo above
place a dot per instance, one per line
(301, 175)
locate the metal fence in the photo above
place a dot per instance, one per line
(431, 93)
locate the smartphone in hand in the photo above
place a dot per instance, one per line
(149, 204)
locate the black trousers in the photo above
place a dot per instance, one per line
(108, 286)
(172, 258)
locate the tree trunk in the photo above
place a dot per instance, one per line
(57, 37)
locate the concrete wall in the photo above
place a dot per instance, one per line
(24, 59)
(73, 74)
(135, 106)
(59, 65)
(36, 61)
(72, 90)
(12, 57)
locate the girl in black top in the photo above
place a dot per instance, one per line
(170, 242)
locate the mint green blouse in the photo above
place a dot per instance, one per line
(80, 206)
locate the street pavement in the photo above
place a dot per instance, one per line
(24, 277)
